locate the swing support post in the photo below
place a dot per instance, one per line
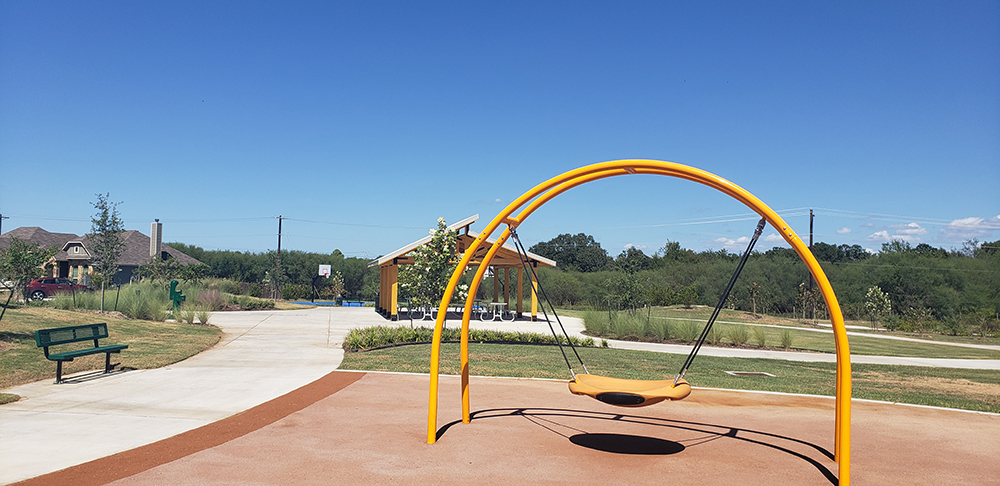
(542, 193)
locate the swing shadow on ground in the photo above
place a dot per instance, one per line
(549, 419)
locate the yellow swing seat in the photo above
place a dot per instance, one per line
(628, 393)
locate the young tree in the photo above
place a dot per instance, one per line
(877, 304)
(21, 262)
(625, 291)
(106, 243)
(425, 281)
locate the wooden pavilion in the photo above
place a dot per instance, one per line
(505, 262)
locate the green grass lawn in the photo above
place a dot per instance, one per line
(151, 344)
(676, 318)
(943, 387)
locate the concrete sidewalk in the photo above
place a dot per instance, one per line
(261, 356)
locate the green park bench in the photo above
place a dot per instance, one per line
(75, 334)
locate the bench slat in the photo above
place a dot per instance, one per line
(69, 355)
(70, 334)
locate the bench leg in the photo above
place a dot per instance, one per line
(107, 362)
(58, 372)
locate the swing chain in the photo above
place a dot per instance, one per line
(522, 255)
(722, 300)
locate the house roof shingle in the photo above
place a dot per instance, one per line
(136, 245)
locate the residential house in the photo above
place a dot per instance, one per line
(72, 261)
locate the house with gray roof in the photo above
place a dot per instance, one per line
(72, 260)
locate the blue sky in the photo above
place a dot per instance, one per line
(365, 121)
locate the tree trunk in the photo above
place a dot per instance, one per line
(102, 296)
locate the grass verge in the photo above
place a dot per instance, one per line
(673, 325)
(151, 344)
(943, 387)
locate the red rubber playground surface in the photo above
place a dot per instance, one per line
(369, 428)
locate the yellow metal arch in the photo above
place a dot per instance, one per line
(542, 193)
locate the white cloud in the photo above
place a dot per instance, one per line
(910, 229)
(880, 236)
(773, 238)
(843, 231)
(630, 245)
(730, 243)
(967, 228)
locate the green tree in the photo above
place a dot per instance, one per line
(574, 252)
(754, 292)
(425, 280)
(106, 242)
(632, 260)
(626, 291)
(877, 304)
(21, 262)
(333, 288)
(160, 269)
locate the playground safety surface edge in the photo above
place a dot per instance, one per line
(369, 428)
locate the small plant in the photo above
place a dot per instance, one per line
(759, 336)
(738, 335)
(250, 303)
(714, 336)
(203, 315)
(360, 339)
(187, 315)
(210, 299)
(604, 343)
(256, 290)
(663, 331)
(786, 338)
(689, 331)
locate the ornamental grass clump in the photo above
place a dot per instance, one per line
(689, 331)
(759, 336)
(786, 338)
(210, 299)
(738, 335)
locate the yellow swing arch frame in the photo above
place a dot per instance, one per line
(542, 193)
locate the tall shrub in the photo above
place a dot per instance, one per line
(433, 263)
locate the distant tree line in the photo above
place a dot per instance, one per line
(926, 287)
(297, 269)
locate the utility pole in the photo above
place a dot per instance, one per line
(812, 298)
(279, 242)
(2, 217)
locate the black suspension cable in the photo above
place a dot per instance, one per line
(722, 301)
(522, 255)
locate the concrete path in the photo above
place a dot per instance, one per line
(262, 355)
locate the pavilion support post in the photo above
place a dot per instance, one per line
(534, 299)
(506, 286)
(393, 292)
(394, 311)
(496, 284)
(382, 294)
(520, 290)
